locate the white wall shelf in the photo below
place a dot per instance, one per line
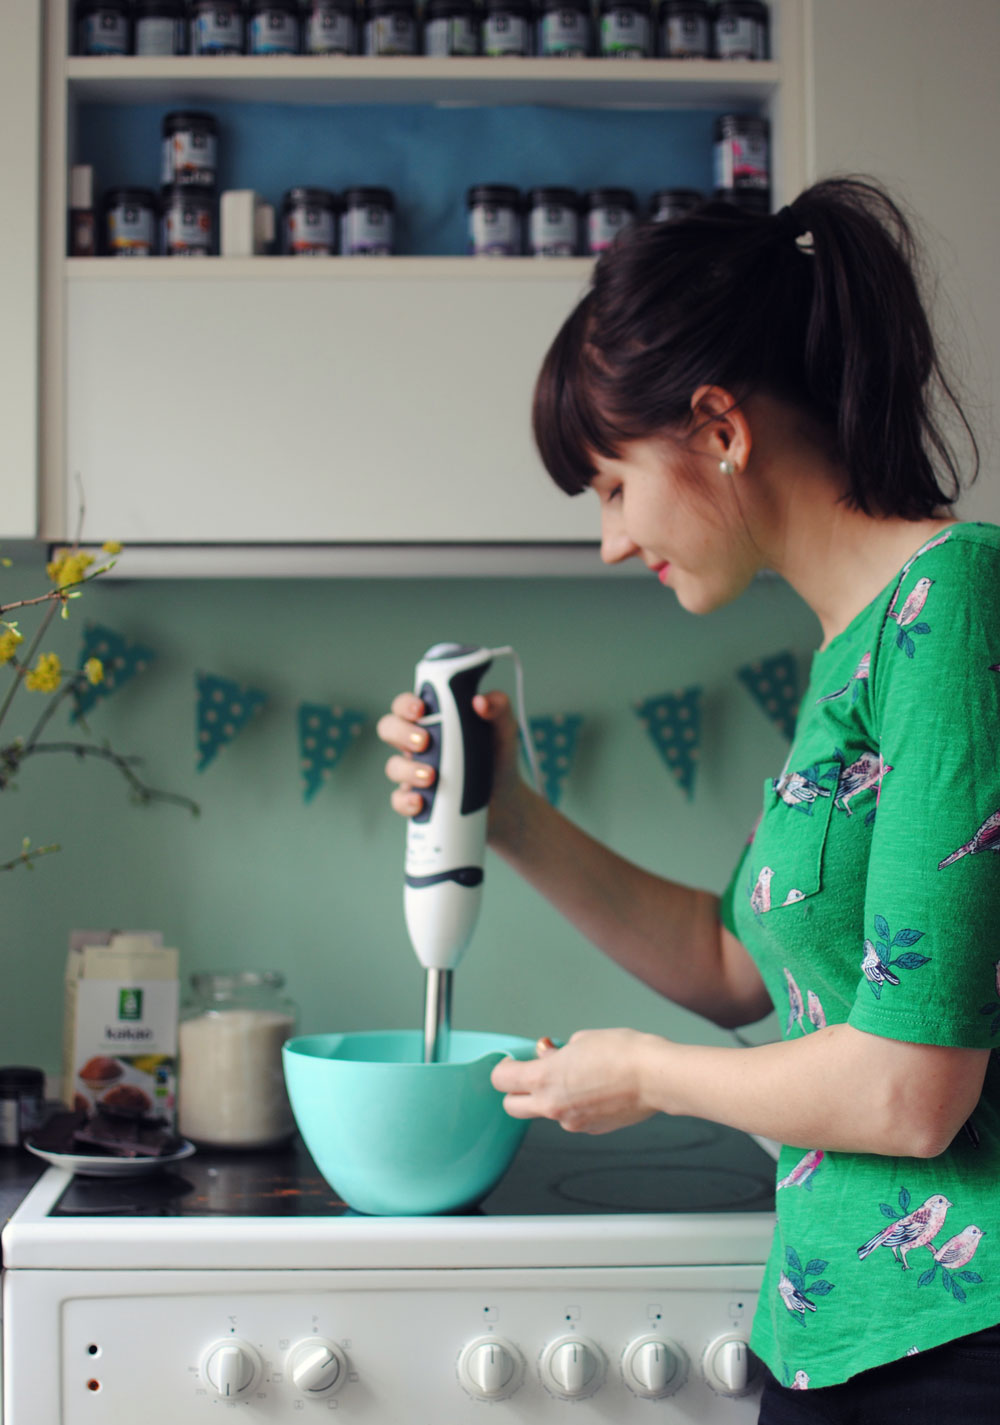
(380, 270)
(307, 79)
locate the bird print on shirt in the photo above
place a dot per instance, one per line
(987, 838)
(801, 1381)
(798, 789)
(794, 1287)
(804, 1172)
(760, 896)
(877, 962)
(814, 1010)
(796, 1005)
(863, 775)
(953, 1258)
(931, 544)
(906, 618)
(916, 1229)
(859, 676)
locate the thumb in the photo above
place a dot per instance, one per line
(491, 706)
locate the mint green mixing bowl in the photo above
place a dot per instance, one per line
(397, 1137)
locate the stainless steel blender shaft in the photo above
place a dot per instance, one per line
(437, 1016)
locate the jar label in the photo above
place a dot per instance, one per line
(741, 161)
(505, 34)
(220, 31)
(329, 32)
(130, 230)
(454, 34)
(565, 33)
(104, 33)
(739, 37)
(310, 232)
(156, 36)
(366, 231)
(625, 34)
(391, 34)
(187, 230)
(189, 157)
(685, 37)
(274, 32)
(494, 231)
(604, 225)
(553, 230)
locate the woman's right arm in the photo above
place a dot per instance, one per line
(665, 934)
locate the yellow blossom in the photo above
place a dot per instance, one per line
(8, 644)
(46, 674)
(94, 670)
(68, 568)
(111, 546)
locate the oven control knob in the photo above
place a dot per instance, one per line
(572, 1367)
(653, 1368)
(490, 1368)
(728, 1365)
(230, 1368)
(316, 1366)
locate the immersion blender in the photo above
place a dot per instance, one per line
(446, 840)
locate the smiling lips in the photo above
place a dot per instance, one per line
(661, 571)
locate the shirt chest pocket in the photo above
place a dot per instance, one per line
(791, 835)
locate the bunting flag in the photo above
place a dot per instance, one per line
(554, 740)
(325, 733)
(673, 721)
(224, 709)
(774, 683)
(120, 661)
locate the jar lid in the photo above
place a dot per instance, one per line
(501, 193)
(727, 124)
(174, 8)
(754, 8)
(236, 5)
(289, 6)
(611, 198)
(312, 198)
(224, 982)
(683, 7)
(188, 119)
(143, 197)
(509, 7)
(450, 7)
(643, 7)
(16, 1080)
(567, 197)
(389, 7)
(364, 197)
(186, 193)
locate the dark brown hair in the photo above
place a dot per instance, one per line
(818, 305)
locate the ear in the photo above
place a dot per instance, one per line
(722, 426)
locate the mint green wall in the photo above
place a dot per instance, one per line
(262, 879)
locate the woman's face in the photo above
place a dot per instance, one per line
(670, 505)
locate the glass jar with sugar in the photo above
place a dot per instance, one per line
(231, 1089)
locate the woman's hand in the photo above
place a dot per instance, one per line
(400, 729)
(593, 1085)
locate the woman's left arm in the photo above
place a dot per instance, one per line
(839, 1089)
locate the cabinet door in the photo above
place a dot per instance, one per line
(20, 100)
(276, 401)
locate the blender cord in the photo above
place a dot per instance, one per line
(522, 716)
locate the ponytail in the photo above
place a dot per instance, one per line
(818, 305)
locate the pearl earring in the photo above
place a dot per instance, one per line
(727, 467)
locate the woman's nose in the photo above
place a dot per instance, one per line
(615, 543)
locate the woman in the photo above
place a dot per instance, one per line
(747, 392)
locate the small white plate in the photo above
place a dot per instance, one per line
(95, 1165)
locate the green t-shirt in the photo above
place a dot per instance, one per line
(868, 894)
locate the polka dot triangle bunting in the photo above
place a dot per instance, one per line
(325, 733)
(554, 740)
(774, 683)
(224, 709)
(120, 660)
(673, 721)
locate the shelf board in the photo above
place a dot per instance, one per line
(342, 269)
(309, 79)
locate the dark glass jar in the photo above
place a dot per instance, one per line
(674, 203)
(22, 1098)
(506, 28)
(273, 27)
(160, 27)
(367, 223)
(390, 28)
(217, 27)
(329, 27)
(103, 27)
(626, 29)
(130, 216)
(743, 162)
(189, 149)
(309, 222)
(609, 212)
(553, 222)
(685, 29)
(739, 30)
(451, 27)
(494, 220)
(564, 30)
(187, 222)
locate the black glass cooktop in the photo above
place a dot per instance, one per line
(662, 1165)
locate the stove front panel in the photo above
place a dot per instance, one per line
(622, 1345)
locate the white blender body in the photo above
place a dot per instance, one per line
(446, 841)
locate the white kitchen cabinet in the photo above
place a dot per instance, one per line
(20, 105)
(376, 402)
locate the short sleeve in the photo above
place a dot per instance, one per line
(727, 901)
(931, 944)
